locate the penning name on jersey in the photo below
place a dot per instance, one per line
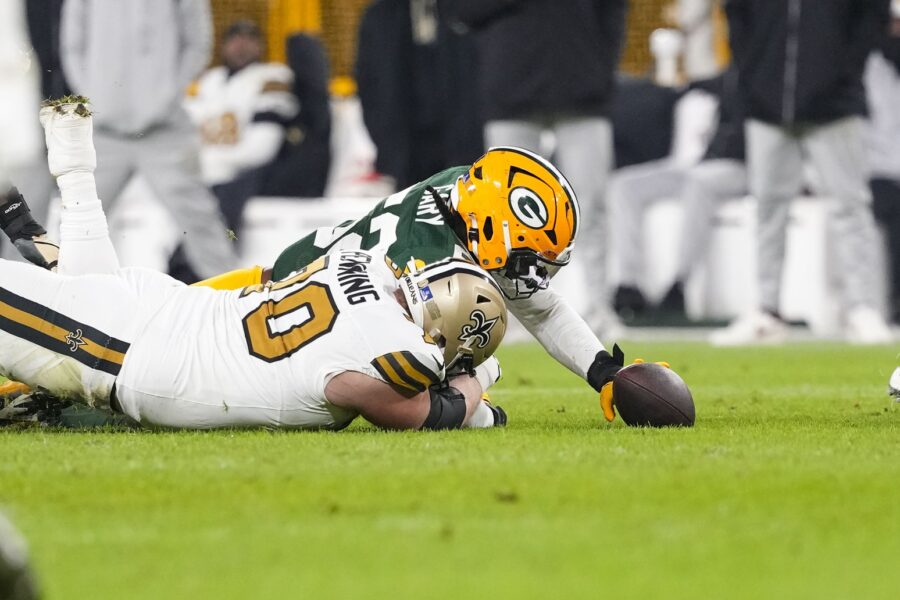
(353, 277)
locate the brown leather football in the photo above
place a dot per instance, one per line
(650, 395)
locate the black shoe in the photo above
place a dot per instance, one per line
(673, 302)
(629, 302)
(26, 234)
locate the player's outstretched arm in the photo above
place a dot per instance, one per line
(559, 329)
(439, 407)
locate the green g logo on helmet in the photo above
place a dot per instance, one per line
(528, 207)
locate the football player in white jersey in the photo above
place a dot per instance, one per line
(339, 338)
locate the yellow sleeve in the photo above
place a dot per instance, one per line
(233, 280)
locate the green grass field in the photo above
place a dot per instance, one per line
(788, 487)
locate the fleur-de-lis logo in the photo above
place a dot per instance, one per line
(74, 339)
(480, 328)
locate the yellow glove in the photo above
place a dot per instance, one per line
(661, 363)
(607, 393)
(607, 402)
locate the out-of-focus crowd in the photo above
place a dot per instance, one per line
(808, 104)
(135, 60)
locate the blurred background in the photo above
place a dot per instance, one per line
(308, 111)
(336, 22)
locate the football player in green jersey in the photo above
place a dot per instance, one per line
(513, 213)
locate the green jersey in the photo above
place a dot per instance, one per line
(408, 225)
(404, 226)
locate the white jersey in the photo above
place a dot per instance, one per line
(228, 107)
(263, 355)
(195, 357)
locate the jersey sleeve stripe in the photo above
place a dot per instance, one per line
(389, 372)
(56, 332)
(401, 366)
(416, 369)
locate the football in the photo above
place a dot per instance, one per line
(651, 395)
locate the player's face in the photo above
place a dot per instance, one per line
(240, 50)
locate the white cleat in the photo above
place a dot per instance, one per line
(865, 326)
(757, 328)
(68, 130)
(894, 385)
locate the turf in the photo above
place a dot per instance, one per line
(788, 486)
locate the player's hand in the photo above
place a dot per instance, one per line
(605, 367)
(608, 402)
(661, 363)
(608, 396)
(603, 371)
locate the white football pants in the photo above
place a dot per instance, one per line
(69, 335)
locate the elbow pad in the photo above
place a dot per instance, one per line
(448, 408)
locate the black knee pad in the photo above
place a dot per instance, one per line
(448, 408)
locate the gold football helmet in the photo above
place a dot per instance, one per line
(520, 215)
(460, 307)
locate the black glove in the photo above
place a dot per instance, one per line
(15, 218)
(26, 234)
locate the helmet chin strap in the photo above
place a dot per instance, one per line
(473, 235)
(506, 239)
(454, 195)
(462, 362)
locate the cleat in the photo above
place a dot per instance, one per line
(629, 303)
(26, 234)
(31, 408)
(866, 326)
(68, 130)
(757, 328)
